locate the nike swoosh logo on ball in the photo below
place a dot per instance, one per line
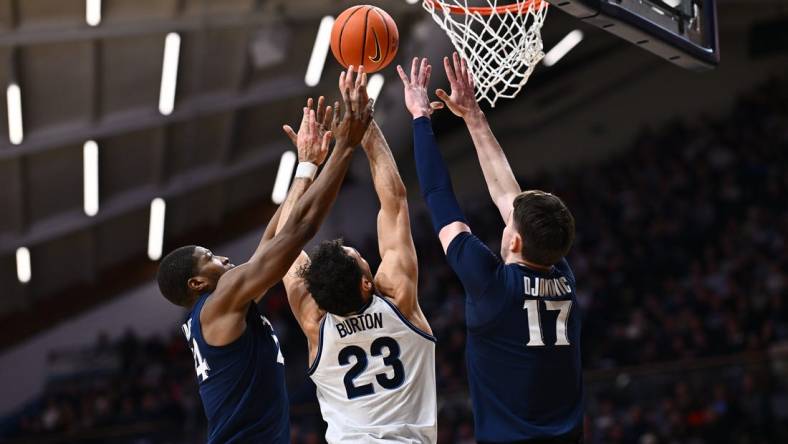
(376, 57)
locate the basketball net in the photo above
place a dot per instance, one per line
(501, 43)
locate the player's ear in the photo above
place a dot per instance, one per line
(516, 244)
(197, 283)
(366, 285)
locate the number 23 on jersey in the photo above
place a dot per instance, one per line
(390, 359)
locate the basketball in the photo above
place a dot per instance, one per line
(366, 36)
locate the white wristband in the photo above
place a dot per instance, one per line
(306, 170)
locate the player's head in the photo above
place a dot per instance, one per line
(540, 229)
(338, 278)
(189, 271)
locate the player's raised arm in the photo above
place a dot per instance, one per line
(473, 262)
(397, 275)
(436, 188)
(271, 261)
(498, 173)
(324, 116)
(312, 142)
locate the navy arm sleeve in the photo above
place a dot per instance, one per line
(434, 177)
(473, 262)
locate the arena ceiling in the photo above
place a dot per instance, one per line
(213, 159)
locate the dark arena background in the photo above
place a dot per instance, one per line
(131, 127)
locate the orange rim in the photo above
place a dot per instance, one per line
(487, 10)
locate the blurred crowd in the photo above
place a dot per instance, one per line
(135, 388)
(680, 256)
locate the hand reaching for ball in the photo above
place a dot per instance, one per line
(416, 97)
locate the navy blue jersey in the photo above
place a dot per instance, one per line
(242, 384)
(523, 346)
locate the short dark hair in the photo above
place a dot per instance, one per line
(174, 273)
(334, 278)
(546, 226)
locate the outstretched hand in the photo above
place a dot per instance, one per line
(416, 98)
(358, 109)
(462, 101)
(355, 82)
(313, 136)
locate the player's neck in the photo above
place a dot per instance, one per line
(192, 301)
(517, 259)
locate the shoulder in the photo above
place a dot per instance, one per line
(467, 246)
(219, 326)
(416, 321)
(563, 267)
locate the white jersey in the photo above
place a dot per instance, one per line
(375, 377)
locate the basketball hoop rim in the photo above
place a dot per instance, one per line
(515, 8)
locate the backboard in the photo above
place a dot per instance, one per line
(681, 31)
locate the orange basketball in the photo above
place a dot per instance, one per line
(364, 35)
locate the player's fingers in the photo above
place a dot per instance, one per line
(326, 142)
(414, 73)
(449, 71)
(306, 127)
(346, 97)
(437, 105)
(361, 76)
(309, 102)
(464, 65)
(312, 124)
(423, 70)
(442, 95)
(328, 116)
(321, 109)
(427, 76)
(342, 80)
(291, 134)
(349, 79)
(402, 75)
(348, 102)
(459, 72)
(303, 119)
(335, 117)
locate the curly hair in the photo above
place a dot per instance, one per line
(174, 272)
(546, 226)
(333, 277)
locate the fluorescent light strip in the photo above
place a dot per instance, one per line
(319, 52)
(169, 73)
(563, 47)
(93, 12)
(90, 177)
(283, 176)
(13, 96)
(412, 2)
(156, 230)
(23, 272)
(375, 85)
